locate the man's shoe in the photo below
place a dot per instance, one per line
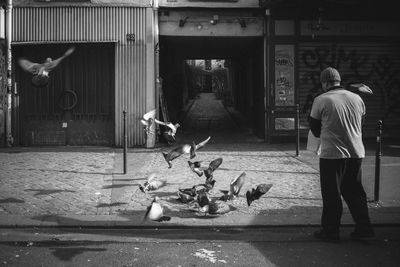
(362, 235)
(324, 236)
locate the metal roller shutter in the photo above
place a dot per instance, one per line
(374, 64)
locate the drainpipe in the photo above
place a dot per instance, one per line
(158, 79)
(150, 71)
(9, 138)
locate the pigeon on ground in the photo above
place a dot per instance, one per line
(147, 119)
(175, 153)
(203, 200)
(152, 183)
(41, 71)
(185, 198)
(155, 212)
(195, 147)
(169, 134)
(218, 207)
(212, 167)
(193, 191)
(255, 194)
(359, 88)
(195, 167)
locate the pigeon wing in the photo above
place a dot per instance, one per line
(202, 144)
(215, 164)
(54, 63)
(237, 184)
(149, 115)
(161, 122)
(28, 66)
(361, 88)
(263, 188)
(176, 152)
(151, 177)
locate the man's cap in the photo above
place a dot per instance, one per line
(330, 75)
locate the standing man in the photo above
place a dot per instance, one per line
(336, 117)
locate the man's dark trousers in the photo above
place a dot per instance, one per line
(342, 177)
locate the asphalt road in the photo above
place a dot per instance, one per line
(272, 246)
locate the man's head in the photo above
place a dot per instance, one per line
(329, 77)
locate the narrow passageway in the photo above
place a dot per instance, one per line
(208, 117)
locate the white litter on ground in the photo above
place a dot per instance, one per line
(207, 255)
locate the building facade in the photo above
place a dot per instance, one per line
(128, 53)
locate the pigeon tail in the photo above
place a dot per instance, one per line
(165, 155)
(249, 197)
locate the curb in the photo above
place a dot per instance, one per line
(388, 216)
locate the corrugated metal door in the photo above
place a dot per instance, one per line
(77, 106)
(375, 64)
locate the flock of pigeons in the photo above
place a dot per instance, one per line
(198, 194)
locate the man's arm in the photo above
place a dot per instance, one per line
(315, 126)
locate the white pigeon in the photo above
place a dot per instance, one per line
(152, 183)
(147, 119)
(155, 212)
(41, 71)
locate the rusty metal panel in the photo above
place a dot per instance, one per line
(78, 24)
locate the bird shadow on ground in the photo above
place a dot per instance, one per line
(127, 180)
(65, 171)
(11, 200)
(299, 198)
(267, 171)
(68, 253)
(117, 186)
(162, 194)
(109, 205)
(49, 191)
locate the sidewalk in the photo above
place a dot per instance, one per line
(85, 187)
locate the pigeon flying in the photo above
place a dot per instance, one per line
(255, 194)
(195, 167)
(155, 212)
(359, 88)
(175, 153)
(147, 119)
(236, 185)
(212, 167)
(169, 134)
(195, 147)
(41, 71)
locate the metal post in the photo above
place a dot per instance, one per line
(9, 137)
(125, 142)
(378, 156)
(297, 129)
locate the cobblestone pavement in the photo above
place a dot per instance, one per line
(91, 183)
